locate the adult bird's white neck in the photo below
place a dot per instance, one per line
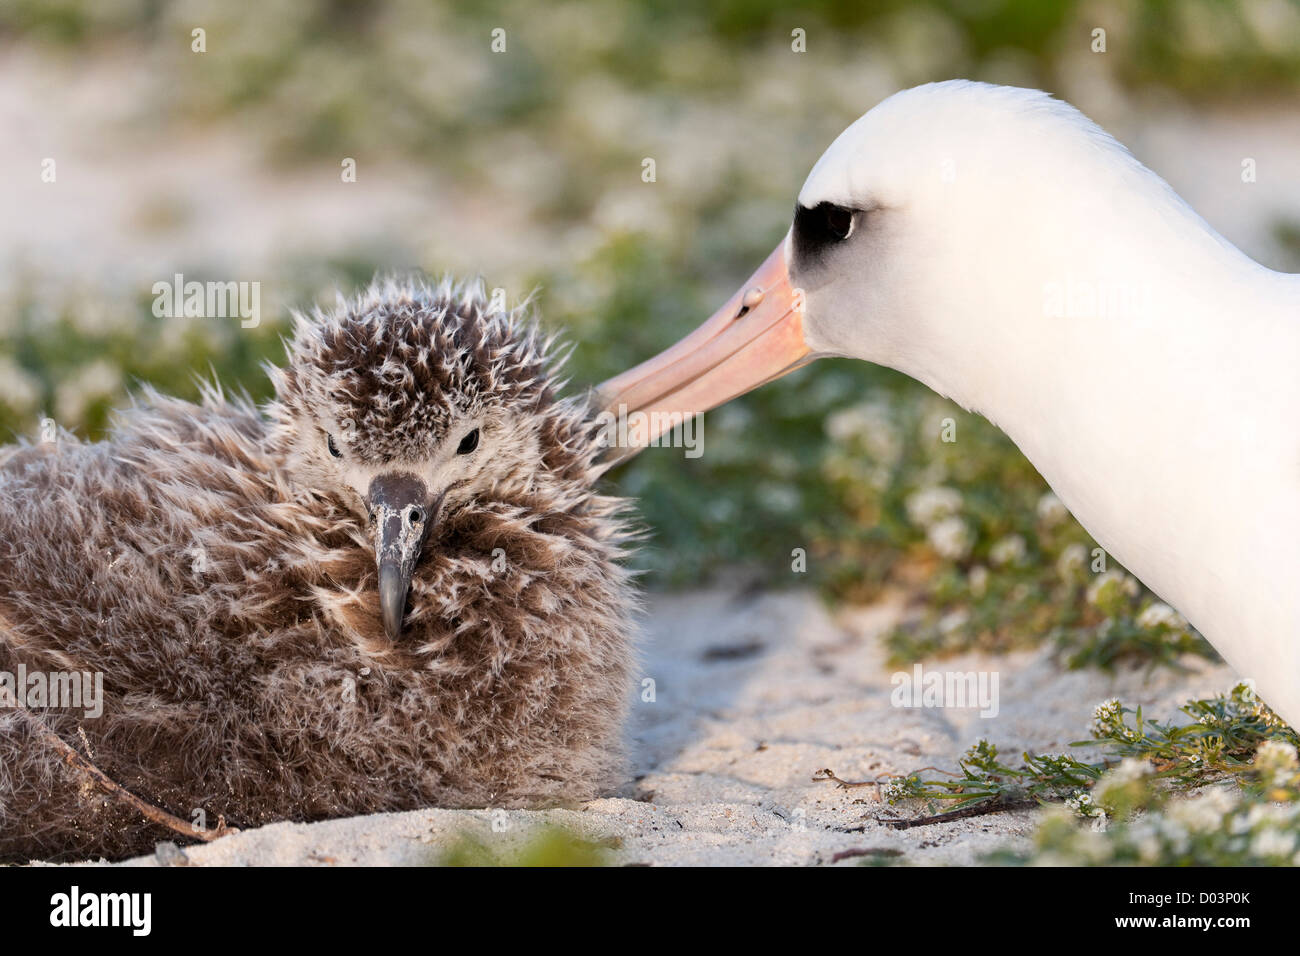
(1147, 368)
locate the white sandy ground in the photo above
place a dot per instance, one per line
(754, 695)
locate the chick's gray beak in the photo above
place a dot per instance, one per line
(400, 516)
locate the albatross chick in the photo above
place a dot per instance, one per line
(393, 587)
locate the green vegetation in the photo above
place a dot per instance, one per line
(1222, 789)
(549, 846)
(1205, 48)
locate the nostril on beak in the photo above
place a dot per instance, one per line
(750, 301)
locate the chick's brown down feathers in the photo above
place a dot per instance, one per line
(215, 564)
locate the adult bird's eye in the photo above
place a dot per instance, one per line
(468, 443)
(839, 221)
(334, 449)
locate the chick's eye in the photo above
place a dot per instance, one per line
(334, 449)
(468, 443)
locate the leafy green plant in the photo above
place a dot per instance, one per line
(1235, 757)
(1254, 820)
(550, 846)
(1218, 744)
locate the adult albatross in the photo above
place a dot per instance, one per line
(996, 245)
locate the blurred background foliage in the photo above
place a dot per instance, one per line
(525, 166)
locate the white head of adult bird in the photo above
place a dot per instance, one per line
(1001, 248)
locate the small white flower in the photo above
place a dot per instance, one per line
(893, 790)
(1174, 833)
(1272, 843)
(1276, 761)
(1263, 813)
(1113, 781)
(870, 423)
(1106, 716)
(97, 380)
(1107, 710)
(1147, 844)
(1008, 550)
(978, 580)
(1074, 557)
(1158, 614)
(1082, 805)
(929, 506)
(1129, 769)
(1125, 582)
(1051, 510)
(19, 389)
(1203, 813)
(1275, 754)
(951, 538)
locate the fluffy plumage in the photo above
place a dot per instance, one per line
(215, 563)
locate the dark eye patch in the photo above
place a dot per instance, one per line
(818, 228)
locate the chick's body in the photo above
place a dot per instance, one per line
(217, 566)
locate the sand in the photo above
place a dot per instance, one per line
(753, 695)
